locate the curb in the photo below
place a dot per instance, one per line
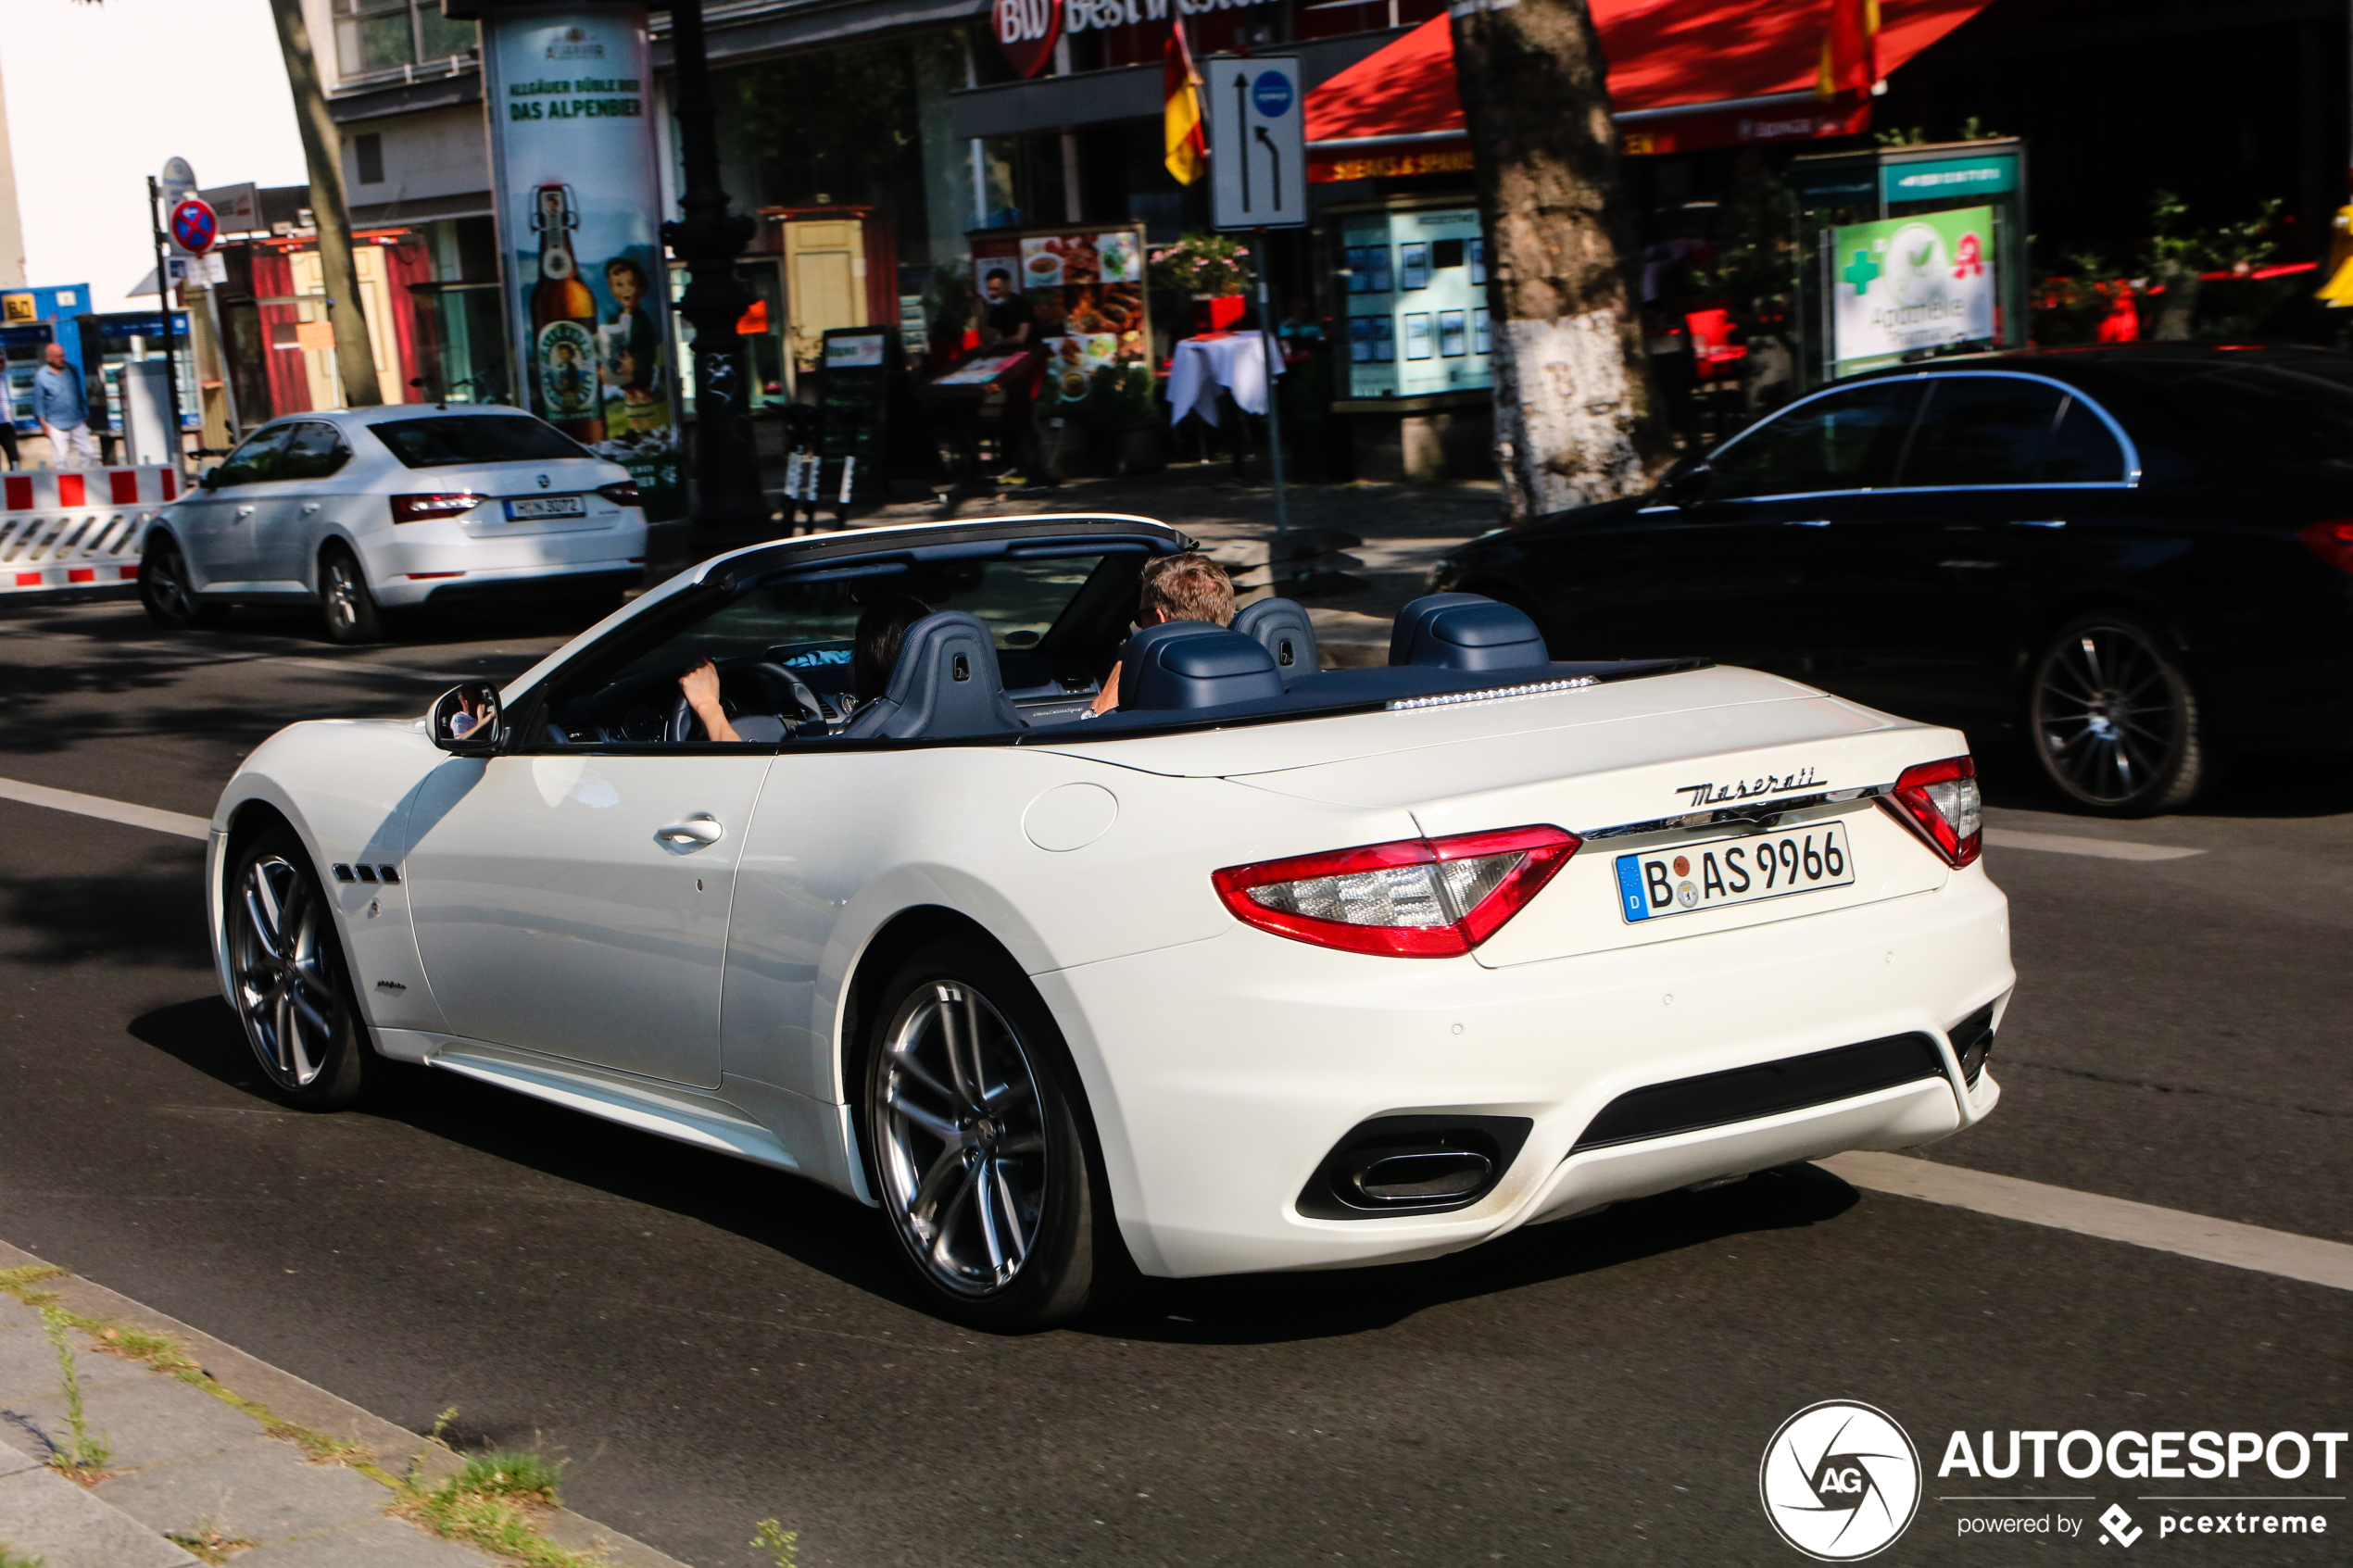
(307, 1404)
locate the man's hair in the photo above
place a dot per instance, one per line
(874, 644)
(1187, 587)
(996, 272)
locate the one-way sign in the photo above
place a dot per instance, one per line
(1257, 143)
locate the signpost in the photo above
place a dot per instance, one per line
(1258, 180)
(173, 191)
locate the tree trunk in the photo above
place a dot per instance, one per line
(322, 150)
(1576, 418)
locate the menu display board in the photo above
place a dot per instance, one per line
(1085, 283)
(1416, 284)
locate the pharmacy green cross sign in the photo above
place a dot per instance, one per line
(1861, 270)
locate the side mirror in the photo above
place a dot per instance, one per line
(1684, 476)
(209, 479)
(468, 722)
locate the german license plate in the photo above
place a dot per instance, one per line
(1684, 879)
(532, 506)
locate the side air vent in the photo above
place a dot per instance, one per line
(1413, 1165)
(1744, 1094)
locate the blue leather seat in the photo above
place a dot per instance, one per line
(1281, 625)
(1187, 664)
(1465, 631)
(946, 684)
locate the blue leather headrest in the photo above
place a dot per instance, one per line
(945, 684)
(1465, 631)
(1282, 627)
(1182, 664)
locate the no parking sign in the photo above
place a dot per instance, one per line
(193, 227)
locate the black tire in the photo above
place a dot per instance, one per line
(962, 1178)
(165, 592)
(2114, 719)
(291, 989)
(345, 601)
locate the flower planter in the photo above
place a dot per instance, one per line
(1218, 313)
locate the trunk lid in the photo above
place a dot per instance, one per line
(1633, 766)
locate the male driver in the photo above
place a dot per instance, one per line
(1180, 587)
(58, 404)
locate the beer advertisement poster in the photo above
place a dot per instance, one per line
(570, 96)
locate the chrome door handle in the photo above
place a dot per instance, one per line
(244, 511)
(701, 828)
(309, 506)
(1805, 522)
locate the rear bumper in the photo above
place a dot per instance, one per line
(525, 587)
(441, 561)
(1222, 1072)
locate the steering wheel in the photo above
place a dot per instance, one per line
(779, 686)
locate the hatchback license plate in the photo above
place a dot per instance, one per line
(532, 506)
(1686, 878)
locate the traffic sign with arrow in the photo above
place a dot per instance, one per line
(1257, 143)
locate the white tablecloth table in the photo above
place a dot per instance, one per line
(1231, 362)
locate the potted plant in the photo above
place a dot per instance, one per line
(1213, 269)
(1127, 432)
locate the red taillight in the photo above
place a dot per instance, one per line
(419, 508)
(1940, 801)
(622, 492)
(1415, 899)
(2333, 541)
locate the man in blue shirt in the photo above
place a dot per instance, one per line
(65, 417)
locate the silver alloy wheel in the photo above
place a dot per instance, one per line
(166, 578)
(282, 957)
(2107, 714)
(959, 1138)
(343, 589)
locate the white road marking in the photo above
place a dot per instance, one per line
(106, 810)
(2069, 843)
(2112, 1218)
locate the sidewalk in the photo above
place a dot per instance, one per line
(1402, 529)
(217, 1457)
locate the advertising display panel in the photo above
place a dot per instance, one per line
(1904, 284)
(1416, 290)
(579, 216)
(1085, 285)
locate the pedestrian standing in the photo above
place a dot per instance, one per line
(57, 403)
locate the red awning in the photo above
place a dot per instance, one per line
(1685, 74)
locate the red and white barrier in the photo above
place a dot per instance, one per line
(74, 528)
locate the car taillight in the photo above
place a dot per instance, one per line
(1940, 800)
(418, 508)
(1415, 899)
(622, 492)
(2333, 541)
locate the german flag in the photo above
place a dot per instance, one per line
(1180, 108)
(1849, 49)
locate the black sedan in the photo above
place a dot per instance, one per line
(2142, 555)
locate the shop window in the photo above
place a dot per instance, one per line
(375, 36)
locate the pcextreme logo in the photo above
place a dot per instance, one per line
(1840, 1481)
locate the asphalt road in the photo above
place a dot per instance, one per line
(711, 1344)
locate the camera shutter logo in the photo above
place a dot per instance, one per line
(1840, 1481)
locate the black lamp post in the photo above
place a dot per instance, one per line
(708, 239)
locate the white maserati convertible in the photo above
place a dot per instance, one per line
(1269, 967)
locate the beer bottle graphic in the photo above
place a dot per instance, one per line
(564, 324)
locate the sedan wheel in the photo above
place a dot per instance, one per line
(351, 612)
(287, 966)
(2115, 721)
(165, 592)
(975, 1151)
